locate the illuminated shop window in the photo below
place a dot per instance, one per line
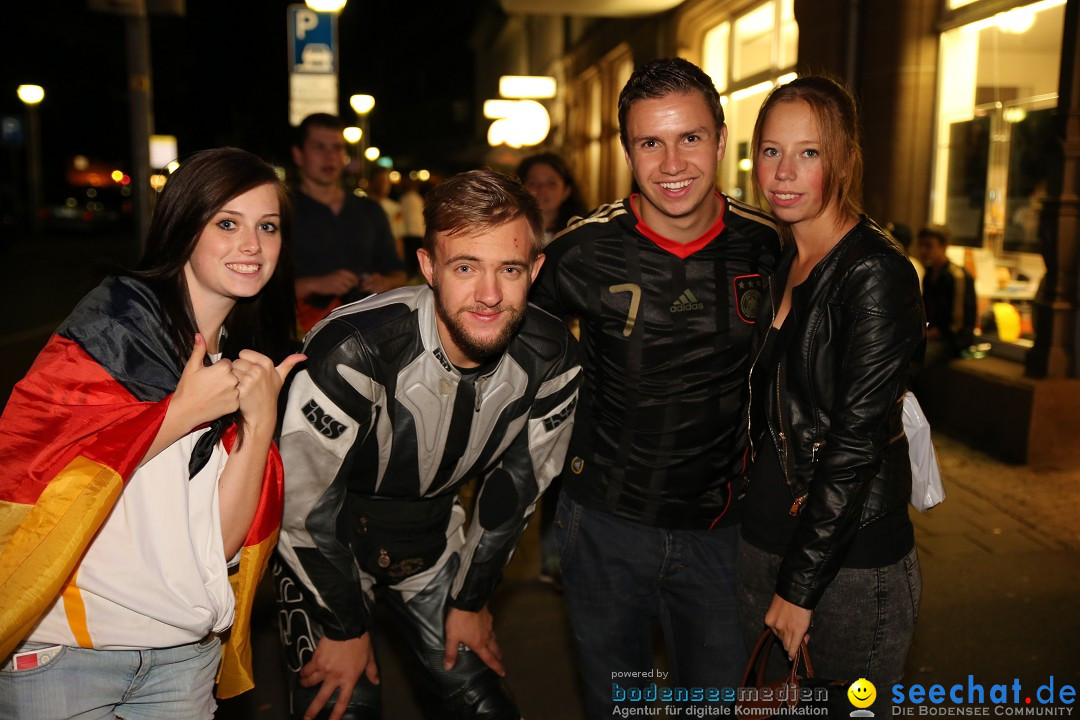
(754, 40)
(998, 81)
(715, 54)
(997, 93)
(746, 56)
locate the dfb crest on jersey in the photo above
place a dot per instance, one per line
(749, 290)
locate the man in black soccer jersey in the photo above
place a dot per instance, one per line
(666, 284)
(406, 396)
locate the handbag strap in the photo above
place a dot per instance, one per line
(804, 653)
(760, 658)
(762, 648)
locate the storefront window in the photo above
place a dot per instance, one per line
(998, 81)
(715, 55)
(754, 40)
(746, 57)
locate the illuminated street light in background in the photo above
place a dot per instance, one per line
(520, 121)
(352, 136)
(362, 105)
(372, 154)
(526, 122)
(495, 109)
(330, 6)
(31, 95)
(527, 86)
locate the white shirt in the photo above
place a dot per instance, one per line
(155, 575)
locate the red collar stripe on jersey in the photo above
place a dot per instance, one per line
(682, 250)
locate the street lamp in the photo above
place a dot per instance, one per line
(329, 6)
(352, 136)
(362, 105)
(31, 95)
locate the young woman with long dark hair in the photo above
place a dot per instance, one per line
(142, 492)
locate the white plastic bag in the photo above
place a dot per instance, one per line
(926, 488)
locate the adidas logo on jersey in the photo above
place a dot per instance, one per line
(686, 301)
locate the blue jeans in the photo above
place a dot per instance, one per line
(619, 576)
(71, 682)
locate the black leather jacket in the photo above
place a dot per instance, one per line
(833, 403)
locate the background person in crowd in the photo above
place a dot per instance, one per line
(407, 396)
(828, 551)
(949, 296)
(901, 233)
(343, 248)
(412, 209)
(378, 189)
(666, 284)
(548, 178)
(550, 181)
(141, 438)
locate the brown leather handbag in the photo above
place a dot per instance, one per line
(757, 696)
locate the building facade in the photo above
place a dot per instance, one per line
(971, 119)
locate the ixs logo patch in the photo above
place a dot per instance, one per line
(322, 421)
(749, 290)
(553, 421)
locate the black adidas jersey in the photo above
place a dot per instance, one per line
(665, 330)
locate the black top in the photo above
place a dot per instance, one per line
(949, 298)
(834, 404)
(665, 330)
(768, 524)
(358, 238)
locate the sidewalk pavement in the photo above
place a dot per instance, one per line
(1001, 570)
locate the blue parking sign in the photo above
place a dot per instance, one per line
(312, 40)
(11, 131)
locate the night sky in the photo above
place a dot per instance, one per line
(220, 78)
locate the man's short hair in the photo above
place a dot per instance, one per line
(666, 76)
(477, 201)
(942, 233)
(316, 120)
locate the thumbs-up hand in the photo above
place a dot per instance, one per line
(205, 393)
(259, 385)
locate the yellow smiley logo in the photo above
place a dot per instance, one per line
(862, 693)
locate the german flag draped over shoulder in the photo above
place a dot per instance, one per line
(73, 433)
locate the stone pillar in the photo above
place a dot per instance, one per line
(1055, 351)
(887, 52)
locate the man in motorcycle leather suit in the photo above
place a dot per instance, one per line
(406, 396)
